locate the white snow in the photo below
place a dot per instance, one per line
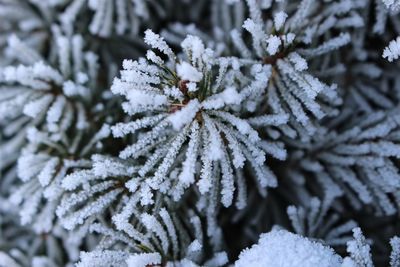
(392, 51)
(188, 73)
(279, 19)
(280, 248)
(184, 116)
(143, 259)
(273, 44)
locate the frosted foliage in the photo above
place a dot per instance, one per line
(395, 255)
(356, 157)
(105, 17)
(299, 93)
(190, 102)
(41, 85)
(392, 4)
(359, 251)
(316, 221)
(174, 133)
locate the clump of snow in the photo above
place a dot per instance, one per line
(188, 73)
(281, 248)
(143, 259)
(273, 44)
(184, 116)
